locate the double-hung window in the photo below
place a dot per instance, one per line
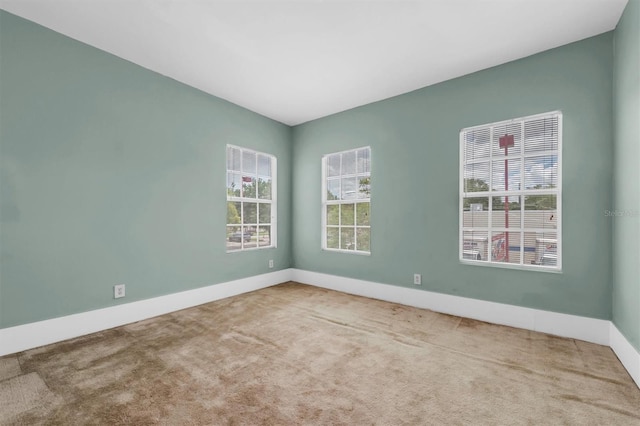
(510, 193)
(251, 199)
(346, 201)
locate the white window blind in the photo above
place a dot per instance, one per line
(251, 199)
(510, 193)
(346, 201)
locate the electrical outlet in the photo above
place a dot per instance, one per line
(270, 263)
(417, 279)
(118, 291)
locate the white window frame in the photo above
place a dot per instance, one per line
(522, 230)
(273, 202)
(355, 201)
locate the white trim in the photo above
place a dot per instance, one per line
(28, 336)
(626, 353)
(273, 201)
(603, 332)
(513, 120)
(324, 203)
(576, 327)
(523, 267)
(521, 157)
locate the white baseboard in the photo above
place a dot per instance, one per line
(32, 335)
(576, 327)
(626, 353)
(603, 332)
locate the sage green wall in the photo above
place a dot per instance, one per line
(111, 173)
(626, 177)
(415, 167)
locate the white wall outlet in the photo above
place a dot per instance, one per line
(118, 291)
(417, 279)
(270, 263)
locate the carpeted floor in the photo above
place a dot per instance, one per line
(294, 354)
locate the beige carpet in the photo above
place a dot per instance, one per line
(294, 354)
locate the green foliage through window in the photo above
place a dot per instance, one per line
(347, 196)
(250, 199)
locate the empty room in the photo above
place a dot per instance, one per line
(320, 212)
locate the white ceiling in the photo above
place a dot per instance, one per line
(296, 61)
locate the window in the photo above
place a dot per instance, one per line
(510, 193)
(346, 196)
(251, 199)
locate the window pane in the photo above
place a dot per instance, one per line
(362, 214)
(347, 214)
(513, 177)
(347, 238)
(264, 211)
(264, 188)
(505, 247)
(475, 212)
(364, 187)
(233, 159)
(244, 183)
(541, 172)
(233, 212)
(234, 184)
(333, 214)
(234, 238)
(248, 187)
(476, 177)
(333, 189)
(251, 240)
(363, 240)
(504, 217)
(514, 219)
(546, 247)
(349, 188)
(541, 134)
(264, 236)
(348, 163)
(476, 144)
(364, 161)
(507, 130)
(475, 245)
(333, 238)
(541, 202)
(333, 165)
(264, 165)
(530, 249)
(233, 228)
(540, 211)
(249, 162)
(250, 213)
(499, 247)
(347, 180)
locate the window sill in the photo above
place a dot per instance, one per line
(250, 249)
(361, 253)
(536, 268)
